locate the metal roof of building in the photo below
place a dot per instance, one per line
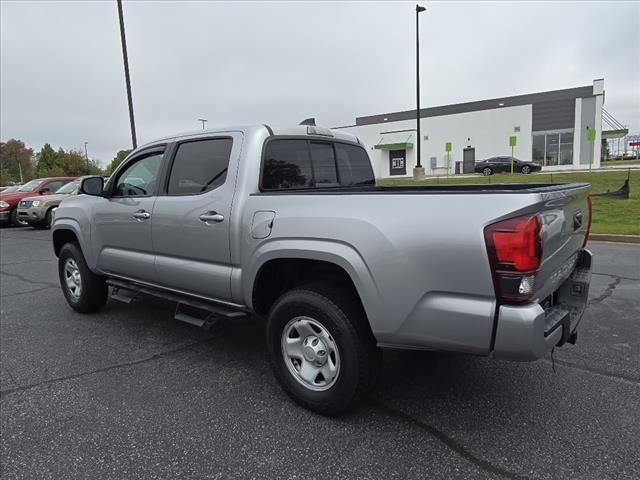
(527, 99)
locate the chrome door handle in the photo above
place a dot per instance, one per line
(142, 215)
(211, 217)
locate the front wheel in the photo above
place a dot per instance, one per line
(15, 220)
(526, 169)
(486, 171)
(321, 348)
(85, 291)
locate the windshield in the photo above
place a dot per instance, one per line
(68, 188)
(30, 186)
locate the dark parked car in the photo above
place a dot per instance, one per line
(503, 164)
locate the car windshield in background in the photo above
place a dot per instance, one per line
(68, 188)
(11, 189)
(30, 186)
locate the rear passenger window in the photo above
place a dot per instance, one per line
(354, 166)
(200, 166)
(324, 165)
(286, 165)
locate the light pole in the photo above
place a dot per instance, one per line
(86, 155)
(418, 171)
(203, 120)
(127, 78)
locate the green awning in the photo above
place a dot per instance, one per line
(394, 146)
(615, 133)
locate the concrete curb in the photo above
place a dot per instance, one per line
(605, 237)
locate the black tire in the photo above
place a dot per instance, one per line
(47, 219)
(13, 219)
(343, 317)
(486, 171)
(526, 169)
(93, 288)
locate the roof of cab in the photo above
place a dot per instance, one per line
(295, 130)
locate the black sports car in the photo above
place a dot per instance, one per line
(503, 164)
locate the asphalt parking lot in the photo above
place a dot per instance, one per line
(130, 393)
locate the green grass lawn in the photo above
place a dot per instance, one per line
(609, 215)
(621, 162)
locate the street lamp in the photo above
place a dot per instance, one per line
(127, 77)
(86, 155)
(418, 171)
(203, 120)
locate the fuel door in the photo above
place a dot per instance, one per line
(262, 223)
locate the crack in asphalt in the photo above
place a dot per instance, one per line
(596, 371)
(44, 260)
(616, 276)
(155, 356)
(608, 291)
(449, 442)
(11, 237)
(26, 280)
(29, 291)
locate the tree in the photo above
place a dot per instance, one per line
(14, 158)
(64, 164)
(50, 163)
(117, 160)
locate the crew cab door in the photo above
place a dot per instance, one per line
(121, 231)
(192, 219)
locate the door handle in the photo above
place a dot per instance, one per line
(141, 215)
(211, 217)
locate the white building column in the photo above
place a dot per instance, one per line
(577, 133)
(598, 91)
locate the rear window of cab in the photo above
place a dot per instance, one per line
(290, 164)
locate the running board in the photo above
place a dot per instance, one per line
(188, 310)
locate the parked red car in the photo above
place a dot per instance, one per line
(42, 186)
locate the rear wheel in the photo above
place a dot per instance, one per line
(487, 171)
(526, 169)
(321, 348)
(85, 291)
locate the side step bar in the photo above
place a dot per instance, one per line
(192, 311)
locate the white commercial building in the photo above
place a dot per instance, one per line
(551, 128)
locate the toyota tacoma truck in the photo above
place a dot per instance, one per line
(288, 225)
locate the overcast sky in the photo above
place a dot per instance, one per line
(242, 63)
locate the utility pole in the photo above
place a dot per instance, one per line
(126, 75)
(86, 156)
(203, 120)
(418, 171)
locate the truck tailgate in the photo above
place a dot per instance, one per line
(566, 217)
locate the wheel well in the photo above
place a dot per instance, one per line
(60, 237)
(277, 276)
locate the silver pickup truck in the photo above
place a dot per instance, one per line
(288, 225)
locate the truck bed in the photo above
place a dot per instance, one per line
(498, 188)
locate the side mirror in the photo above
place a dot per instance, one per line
(44, 191)
(92, 186)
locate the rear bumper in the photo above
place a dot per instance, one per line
(528, 332)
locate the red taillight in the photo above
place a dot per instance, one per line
(590, 210)
(515, 253)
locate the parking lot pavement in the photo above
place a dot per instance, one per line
(130, 393)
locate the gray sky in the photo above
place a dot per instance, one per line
(278, 63)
